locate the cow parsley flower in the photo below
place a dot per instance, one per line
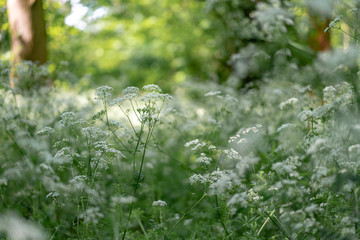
(92, 215)
(152, 88)
(195, 144)
(203, 159)
(291, 101)
(159, 203)
(212, 93)
(131, 90)
(103, 92)
(198, 178)
(285, 126)
(354, 148)
(46, 131)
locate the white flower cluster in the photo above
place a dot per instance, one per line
(219, 180)
(93, 133)
(104, 147)
(288, 166)
(203, 159)
(232, 154)
(152, 88)
(46, 131)
(285, 126)
(243, 132)
(354, 149)
(329, 94)
(103, 92)
(92, 215)
(159, 203)
(212, 93)
(17, 228)
(253, 196)
(116, 200)
(271, 17)
(195, 144)
(289, 102)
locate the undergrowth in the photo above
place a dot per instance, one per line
(277, 159)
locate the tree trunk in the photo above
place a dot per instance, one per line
(319, 40)
(27, 28)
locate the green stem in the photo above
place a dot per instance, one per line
(187, 212)
(137, 181)
(219, 216)
(109, 127)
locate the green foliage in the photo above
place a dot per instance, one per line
(275, 159)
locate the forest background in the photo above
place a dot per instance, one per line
(237, 119)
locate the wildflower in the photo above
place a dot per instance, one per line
(18, 228)
(212, 93)
(284, 126)
(221, 180)
(253, 196)
(198, 178)
(203, 159)
(159, 203)
(131, 90)
(354, 148)
(329, 93)
(232, 154)
(245, 131)
(196, 143)
(92, 215)
(152, 88)
(103, 92)
(291, 101)
(67, 119)
(46, 131)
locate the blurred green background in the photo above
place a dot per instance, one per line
(122, 43)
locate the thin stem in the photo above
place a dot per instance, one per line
(219, 216)
(279, 225)
(15, 142)
(137, 181)
(137, 146)
(356, 212)
(108, 125)
(187, 212)
(141, 226)
(354, 37)
(129, 120)
(132, 106)
(267, 219)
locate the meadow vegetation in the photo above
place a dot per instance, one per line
(276, 157)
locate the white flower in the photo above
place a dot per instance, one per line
(46, 131)
(18, 228)
(92, 215)
(131, 90)
(232, 154)
(203, 159)
(253, 196)
(103, 92)
(317, 145)
(291, 101)
(116, 200)
(152, 88)
(284, 126)
(195, 143)
(212, 93)
(198, 178)
(354, 148)
(159, 203)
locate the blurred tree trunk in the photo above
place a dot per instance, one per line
(27, 27)
(319, 40)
